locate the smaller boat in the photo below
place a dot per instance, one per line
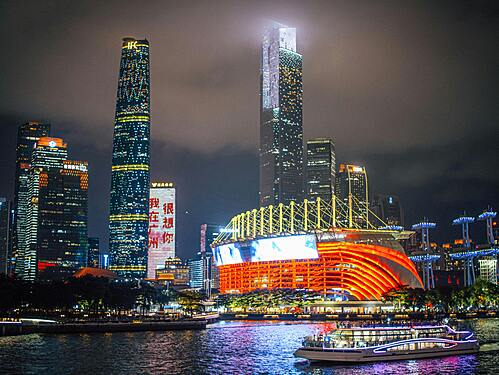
(359, 344)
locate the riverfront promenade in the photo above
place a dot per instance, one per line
(400, 316)
(25, 328)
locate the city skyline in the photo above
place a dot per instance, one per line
(413, 174)
(234, 186)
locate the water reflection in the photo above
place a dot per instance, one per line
(224, 348)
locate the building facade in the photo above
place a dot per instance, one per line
(174, 272)
(162, 224)
(57, 214)
(488, 269)
(196, 272)
(209, 233)
(321, 169)
(388, 209)
(27, 135)
(5, 235)
(352, 190)
(129, 203)
(350, 264)
(93, 259)
(281, 130)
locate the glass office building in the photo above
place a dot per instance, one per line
(353, 191)
(57, 214)
(129, 203)
(281, 133)
(27, 135)
(321, 169)
(93, 259)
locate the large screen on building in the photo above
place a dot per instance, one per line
(268, 249)
(161, 226)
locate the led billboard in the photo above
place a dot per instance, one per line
(161, 226)
(268, 249)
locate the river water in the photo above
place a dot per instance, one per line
(223, 348)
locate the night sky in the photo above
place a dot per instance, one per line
(411, 89)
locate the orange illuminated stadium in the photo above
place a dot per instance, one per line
(355, 263)
(362, 271)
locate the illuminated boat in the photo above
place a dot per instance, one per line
(387, 343)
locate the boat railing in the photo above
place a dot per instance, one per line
(349, 340)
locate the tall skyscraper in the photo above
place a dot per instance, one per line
(209, 232)
(129, 204)
(388, 209)
(5, 235)
(281, 133)
(352, 190)
(321, 169)
(27, 135)
(57, 214)
(161, 226)
(93, 259)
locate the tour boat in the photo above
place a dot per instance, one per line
(359, 344)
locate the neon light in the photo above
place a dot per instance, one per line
(353, 268)
(486, 215)
(424, 225)
(130, 167)
(383, 348)
(463, 220)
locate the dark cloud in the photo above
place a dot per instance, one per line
(410, 88)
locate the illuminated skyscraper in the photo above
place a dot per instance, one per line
(57, 214)
(352, 190)
(27, 135)
(196, 272)
(281, 133)
(209, 232)
(129, 204)
(93, 259)
(5, 235)
(321, 169)
(161, 226)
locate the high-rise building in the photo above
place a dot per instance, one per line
(353, 192)
(57, 213)
(93, 259)
(388, 209)
(281, 132)
(27, 135)
(321, 169)
(196, 272)
(47, 161)
(5, 235)
(161, 226)
(129, 204)
(56, 229)
(209, 232)
(104, 261)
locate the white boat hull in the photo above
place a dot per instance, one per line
(368, 355)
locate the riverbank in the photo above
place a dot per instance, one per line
(24, 328)
(358, 317)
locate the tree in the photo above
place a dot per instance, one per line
(190, 301)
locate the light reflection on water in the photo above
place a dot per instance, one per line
(224, 348)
